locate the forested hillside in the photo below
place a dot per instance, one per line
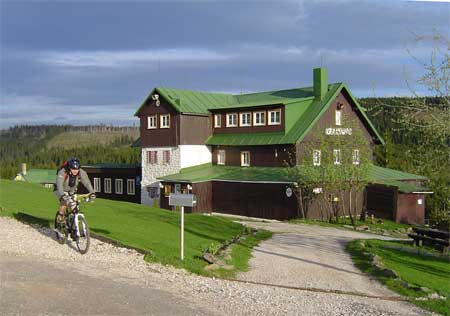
(47, 146)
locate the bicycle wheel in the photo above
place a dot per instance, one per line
(60, 231)
(83, 237)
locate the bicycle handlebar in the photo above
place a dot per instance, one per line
(80, 197)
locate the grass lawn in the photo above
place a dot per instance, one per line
(388, 226)
(417, 269)
(148, 228)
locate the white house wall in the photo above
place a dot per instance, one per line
(193, 155)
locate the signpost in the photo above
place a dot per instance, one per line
(178, 199)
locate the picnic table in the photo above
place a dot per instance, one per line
(435, 238)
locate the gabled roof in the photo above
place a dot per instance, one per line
(302, 111)
(209, 172)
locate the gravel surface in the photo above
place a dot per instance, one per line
(217, 297)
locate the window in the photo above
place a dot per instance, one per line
(217, 120)
(177, 187)
(231, 120)
(153, 192)
(107, 185)
(166, 157)
(167, 190)
(275, 117)
(119, 186)
(97, 185)
(337, 156)
(164, 121)
(259, 118)
(151, 122)
(355, 157)
(152, 157)
(338, 117)
(245, 158)
(221, 157)
(244, 119)
(316, 158)
(130, 187)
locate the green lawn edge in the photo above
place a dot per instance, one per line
(416, 269)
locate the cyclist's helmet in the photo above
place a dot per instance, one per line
(74, 163)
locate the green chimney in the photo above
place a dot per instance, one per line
(320, 83)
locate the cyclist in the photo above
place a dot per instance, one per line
(67, 180)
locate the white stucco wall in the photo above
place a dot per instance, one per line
(193, 155)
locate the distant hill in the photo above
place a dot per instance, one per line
(47, 146)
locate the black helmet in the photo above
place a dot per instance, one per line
(74, 163)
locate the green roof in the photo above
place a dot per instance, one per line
(208, 172)
(302, 111)
(40, 176)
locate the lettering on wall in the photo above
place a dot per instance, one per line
(338, 131)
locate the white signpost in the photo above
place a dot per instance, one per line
(178, 199)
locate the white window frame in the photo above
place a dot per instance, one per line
(118, 186)
(337, 156)
(166, 157)
(241, 119)
(338, 117)
(132, 187)
(164, 121)
(221, 156)
(107, 183)
(152, 122)
(243, 162)
(97, 185)
(228, 119)
(263, 121)
(270, 117)
(316, 157)
(217, 120)
(149, 154)
(355, 157)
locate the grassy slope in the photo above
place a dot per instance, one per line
(151, 229)
(418, 270)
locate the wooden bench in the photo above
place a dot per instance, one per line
(431, 237)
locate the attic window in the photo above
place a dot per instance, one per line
(164, 121)
(338, 117)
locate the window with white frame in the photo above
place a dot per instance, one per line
(130, 186)
(97, 184)
(217, 120)
(338, 117)
(245, 119)
(107, 184)
(355, 157)
(221, 157)
(166, 157)
(275, 117)
(119, 186)
(231, 119)
(316, 157)
(152, 122)
(245, 158)
(337, 156)
(164, 121)
(152, 157)
(259, 118)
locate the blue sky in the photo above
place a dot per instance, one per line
(92, 62)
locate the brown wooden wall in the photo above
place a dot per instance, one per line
(315, 209)
(203, 191)
(260, 156)
(328, 120)
(194, 129)
(408, 209)
(248, 129)
(381, 201)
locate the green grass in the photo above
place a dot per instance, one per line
(417, 269)
(154, 230)
(388, 226)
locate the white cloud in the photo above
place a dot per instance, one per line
(125, 58)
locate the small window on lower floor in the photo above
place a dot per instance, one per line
(245, 158)
(97, 184)
(221, 157)
(119, 186)
(167, 190)
(131, 187)
(107, 185)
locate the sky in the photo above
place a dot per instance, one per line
(94, 62)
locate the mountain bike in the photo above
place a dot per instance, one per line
(74, 224)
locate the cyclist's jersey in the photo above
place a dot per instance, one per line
(68, 183)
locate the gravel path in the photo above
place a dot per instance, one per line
(211, 296)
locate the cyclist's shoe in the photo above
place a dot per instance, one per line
(60, 218)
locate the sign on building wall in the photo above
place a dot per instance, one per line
(338, 131)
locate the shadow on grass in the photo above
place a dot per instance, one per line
(100, 231)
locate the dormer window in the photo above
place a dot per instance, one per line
(231, 119)
(217, 120)
(245, 119)
(275, 117)
(338, 117)
(259, 118)
(164, 121)
(152, 122)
